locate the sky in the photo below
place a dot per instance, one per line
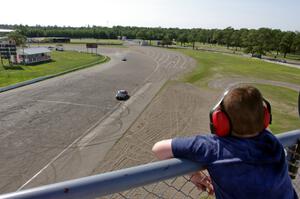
(281, 14)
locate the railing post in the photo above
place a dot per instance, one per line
(294, 159)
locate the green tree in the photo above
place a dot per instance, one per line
(183, 38)
(227, 33)
(250, 41)
(192, 39)
(287, 42)
(258, 41)
(150, 36)
(276, 35)
(141, 34)
(217, 37)
(166, 40)
(17, 37)
(296, 43)
(253, 41)
(236, 39)
(203, 36)
(244, 37)
(264, 40)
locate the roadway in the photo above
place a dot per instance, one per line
(61, 128)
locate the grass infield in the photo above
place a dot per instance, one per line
(284, 101)
(61, 62)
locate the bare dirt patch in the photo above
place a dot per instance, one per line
(180, 109)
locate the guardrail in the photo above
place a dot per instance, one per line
(139, 176)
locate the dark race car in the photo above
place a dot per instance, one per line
(122, 95)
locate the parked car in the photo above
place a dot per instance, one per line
(282, 60)
(124, 59)
(256, 55)
(50, 47)
(122, 95)
(59, 48)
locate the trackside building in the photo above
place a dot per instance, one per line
(33, 55)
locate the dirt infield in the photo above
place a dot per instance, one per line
(179, 109)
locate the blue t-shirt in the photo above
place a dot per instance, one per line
(240, 167)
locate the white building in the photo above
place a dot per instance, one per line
(33, 55)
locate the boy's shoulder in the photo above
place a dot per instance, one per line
(212, 141)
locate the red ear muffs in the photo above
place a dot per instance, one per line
(219, 123)
(266, 117)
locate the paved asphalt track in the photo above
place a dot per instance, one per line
(61, 128)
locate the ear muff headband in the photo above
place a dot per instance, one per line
(267, 113)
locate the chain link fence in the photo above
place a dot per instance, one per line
(182, 187)
(163, 179)
(179, 187)
(293, 158)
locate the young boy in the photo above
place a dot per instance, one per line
(243, 159)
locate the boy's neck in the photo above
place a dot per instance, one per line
(245, 135)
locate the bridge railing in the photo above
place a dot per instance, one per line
(162, 179)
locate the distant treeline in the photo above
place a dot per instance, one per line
(255, 41)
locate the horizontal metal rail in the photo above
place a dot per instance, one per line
(289, 138)
(125, 179)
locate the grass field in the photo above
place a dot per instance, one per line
(222, 48)
(212, 64)
(216, 65)
(284, 107)
(61, 61)
(290, 57)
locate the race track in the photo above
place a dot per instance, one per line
(62, 128)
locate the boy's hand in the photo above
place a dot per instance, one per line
(202, 182)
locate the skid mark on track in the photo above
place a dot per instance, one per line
(172, 105)
(117, 115)
(68, 103)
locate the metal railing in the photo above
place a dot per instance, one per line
(163, 179)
